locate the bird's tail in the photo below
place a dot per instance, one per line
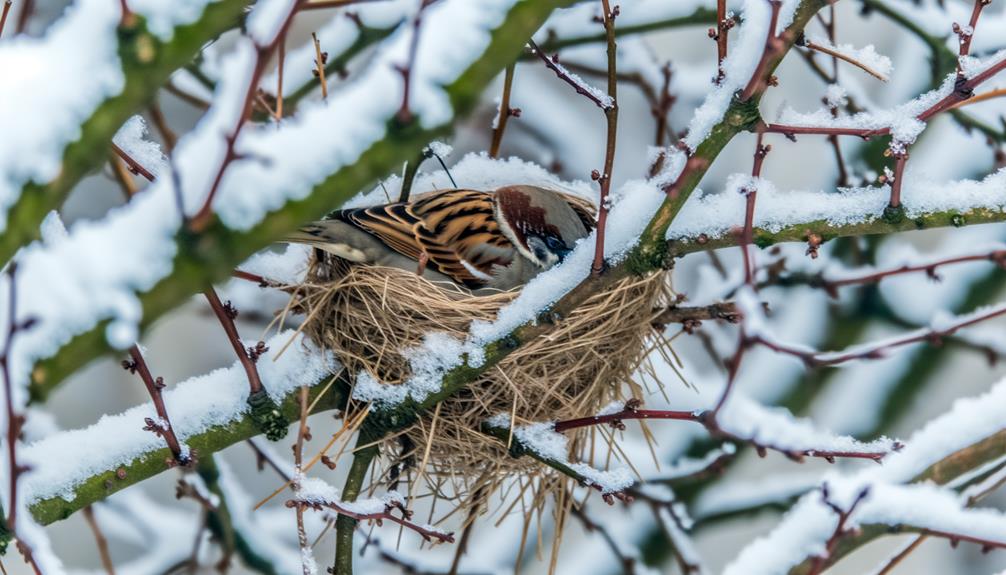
(330, 236)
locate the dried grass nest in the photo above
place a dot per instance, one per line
(367, 315)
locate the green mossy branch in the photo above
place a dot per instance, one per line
(204, 445)
(147, 63)
(823, 230)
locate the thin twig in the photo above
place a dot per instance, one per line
(404, 114)
(204, 216)
(3, 15)
(845, 58)
(966, 35)
(934, 335)
(100, 541)
(707, 419)
(772, 47)
(226, 313)
(504, 113)
(320, 59)
(163, 427)
(611, 119)
(135, 166)
(553, 64)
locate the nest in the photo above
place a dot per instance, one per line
(367, 315)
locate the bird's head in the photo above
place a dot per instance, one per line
(542, 224)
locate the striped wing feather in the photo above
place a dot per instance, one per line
(451, 227)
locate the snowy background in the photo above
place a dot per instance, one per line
(763, 515)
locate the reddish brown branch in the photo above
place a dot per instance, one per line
(100, 541)
(226, 313)
(405, 520)
(204, 216)
(840, 532)
(552, 63)
(3, 15)
(752, 194)
(773, 45)
(708, 420)
(719, 33)
(876, 351)
(27, 10)
(900, 159)
(965, 36)
(404, 114)
(15, 421)
(505, 112)
(163, 427)
(831, 286)
(134, 166)
(611, 119)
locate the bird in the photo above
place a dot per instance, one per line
(486, 241)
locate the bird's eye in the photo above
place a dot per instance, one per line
(555, 244)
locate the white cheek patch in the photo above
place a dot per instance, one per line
(509, 234)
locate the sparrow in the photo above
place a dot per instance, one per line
(482, 240)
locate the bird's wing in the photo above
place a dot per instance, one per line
(454, 228)
(584, 208)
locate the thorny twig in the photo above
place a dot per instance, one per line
(227, 313)
(773, 45)
(162, 426)
(998, 257)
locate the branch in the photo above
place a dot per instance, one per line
(698, 17)
(819, 231)
(611, 120)
(589, 92)
(505, 112)
(942, 472)
(345, 525)
(143, 77)
(162, 427)
(104, 483)
(708, 420)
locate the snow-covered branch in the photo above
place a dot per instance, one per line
(114, 68)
